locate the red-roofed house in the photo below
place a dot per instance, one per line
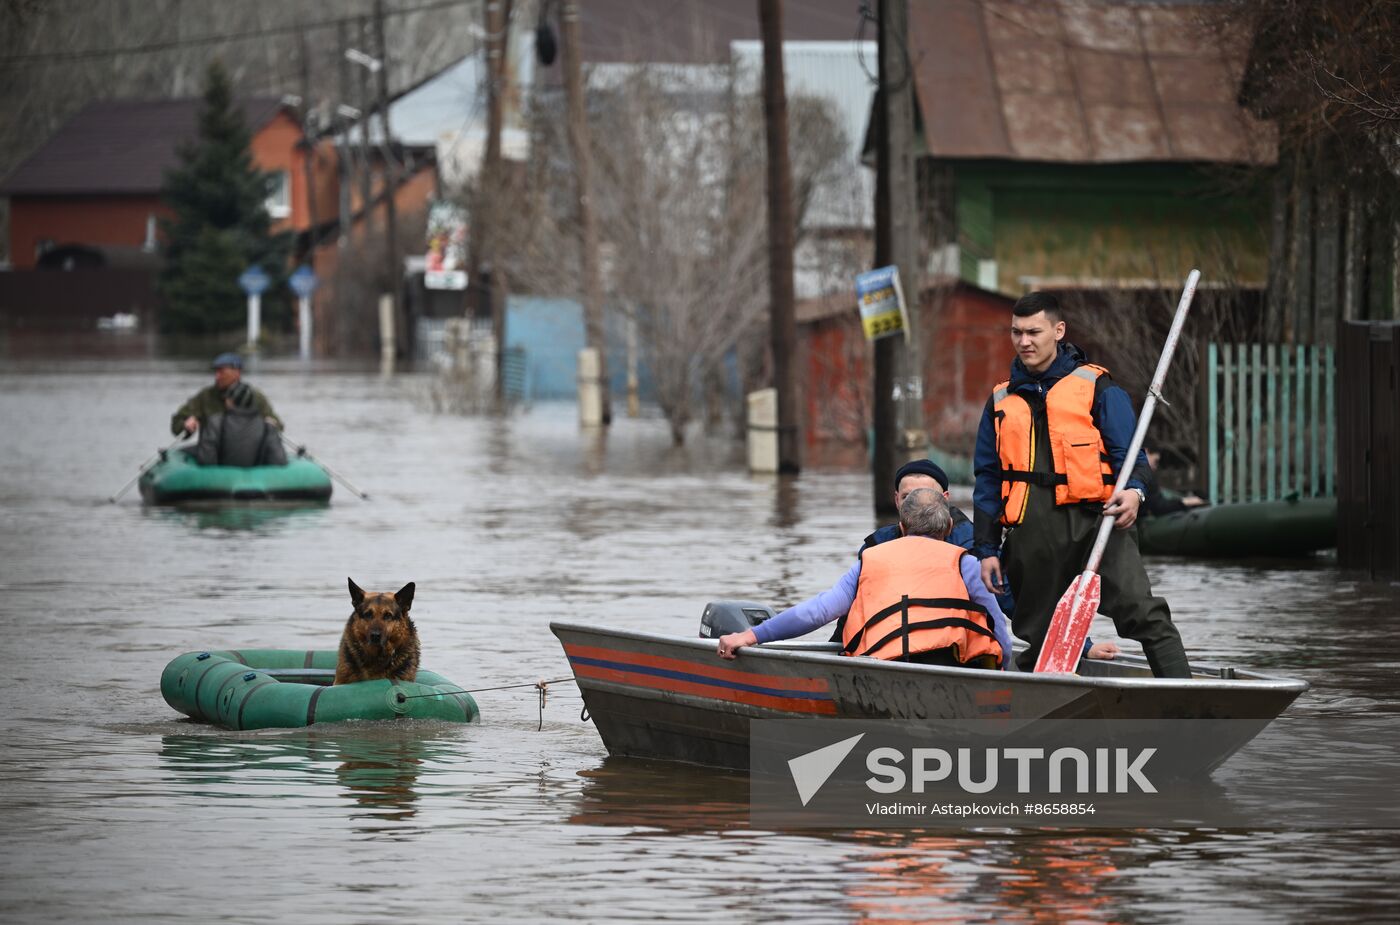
(96, 182)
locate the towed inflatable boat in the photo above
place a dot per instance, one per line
(1290, 527)
(283, 688)
(176, 478)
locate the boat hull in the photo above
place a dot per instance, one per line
(1257, 528)
(673, 698)
(177, 479)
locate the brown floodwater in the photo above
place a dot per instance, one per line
(116, 808)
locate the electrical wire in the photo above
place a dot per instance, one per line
(87, 53)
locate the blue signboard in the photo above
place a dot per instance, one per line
(303, 282)
(254, 281)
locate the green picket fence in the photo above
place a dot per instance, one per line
(1271, 422)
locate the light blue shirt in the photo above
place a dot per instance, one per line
(802, 618)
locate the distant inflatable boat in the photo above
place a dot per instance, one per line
(177, 479)
(284, 688)
(1291, 527)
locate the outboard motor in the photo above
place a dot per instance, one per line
(723, 617)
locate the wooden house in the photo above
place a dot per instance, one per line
(1098, 150)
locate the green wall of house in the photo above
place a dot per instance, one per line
(1123, 222)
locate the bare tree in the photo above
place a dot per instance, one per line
(679, 191)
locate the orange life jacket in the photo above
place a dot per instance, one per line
(1082, 469)
(910, 599)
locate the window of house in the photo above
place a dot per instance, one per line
(279, 197)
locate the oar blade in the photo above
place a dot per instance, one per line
(1069, 627)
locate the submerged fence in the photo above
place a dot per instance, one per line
(1271, 422)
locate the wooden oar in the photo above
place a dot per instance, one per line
(141, 470)
(1075, 611)
(301, 451)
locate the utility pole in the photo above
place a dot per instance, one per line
(486, 279)
(309, 138)
(783, 324)
(362, 99)
(898, 412)
(344, 216)
(595, 333)
(391, 222)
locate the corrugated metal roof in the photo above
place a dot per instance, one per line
(119, 147)
(838, 74)
(699, 31)
(1081, 82)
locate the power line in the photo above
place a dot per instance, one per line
(89, 53)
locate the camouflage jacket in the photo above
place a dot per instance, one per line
(210, 400)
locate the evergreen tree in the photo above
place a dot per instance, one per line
(220, 225)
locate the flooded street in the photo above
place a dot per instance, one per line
(117, 808)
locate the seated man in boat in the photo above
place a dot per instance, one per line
(925, 473)
(1162, 501)
(917, 598)
(228, 372)
(241, 436)
(922, 473)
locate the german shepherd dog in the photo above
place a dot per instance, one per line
(380, 640)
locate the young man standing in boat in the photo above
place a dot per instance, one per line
(916, 598)
(1050, 445)
(210, 400)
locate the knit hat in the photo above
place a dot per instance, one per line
(227, 359)
(921, 467)
(241, 396)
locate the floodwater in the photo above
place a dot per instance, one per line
(116, 808)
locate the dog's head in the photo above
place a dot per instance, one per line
(380, 620)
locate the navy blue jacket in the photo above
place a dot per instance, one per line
(961, 535)
(1112, 413)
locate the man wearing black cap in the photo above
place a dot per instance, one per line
(922, 473)
(210, 400)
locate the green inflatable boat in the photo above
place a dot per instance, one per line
(1290, 527)
(284, 688)
(176, 479)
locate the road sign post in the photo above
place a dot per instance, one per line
(254, 281)
(304, 283)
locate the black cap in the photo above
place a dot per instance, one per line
(921, 467)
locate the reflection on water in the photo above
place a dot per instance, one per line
(375, 767)
(239, 518)
(116, 808)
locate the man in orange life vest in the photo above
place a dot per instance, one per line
(1050, 445)
(916, 599)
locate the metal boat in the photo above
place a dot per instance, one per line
(673, 698)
